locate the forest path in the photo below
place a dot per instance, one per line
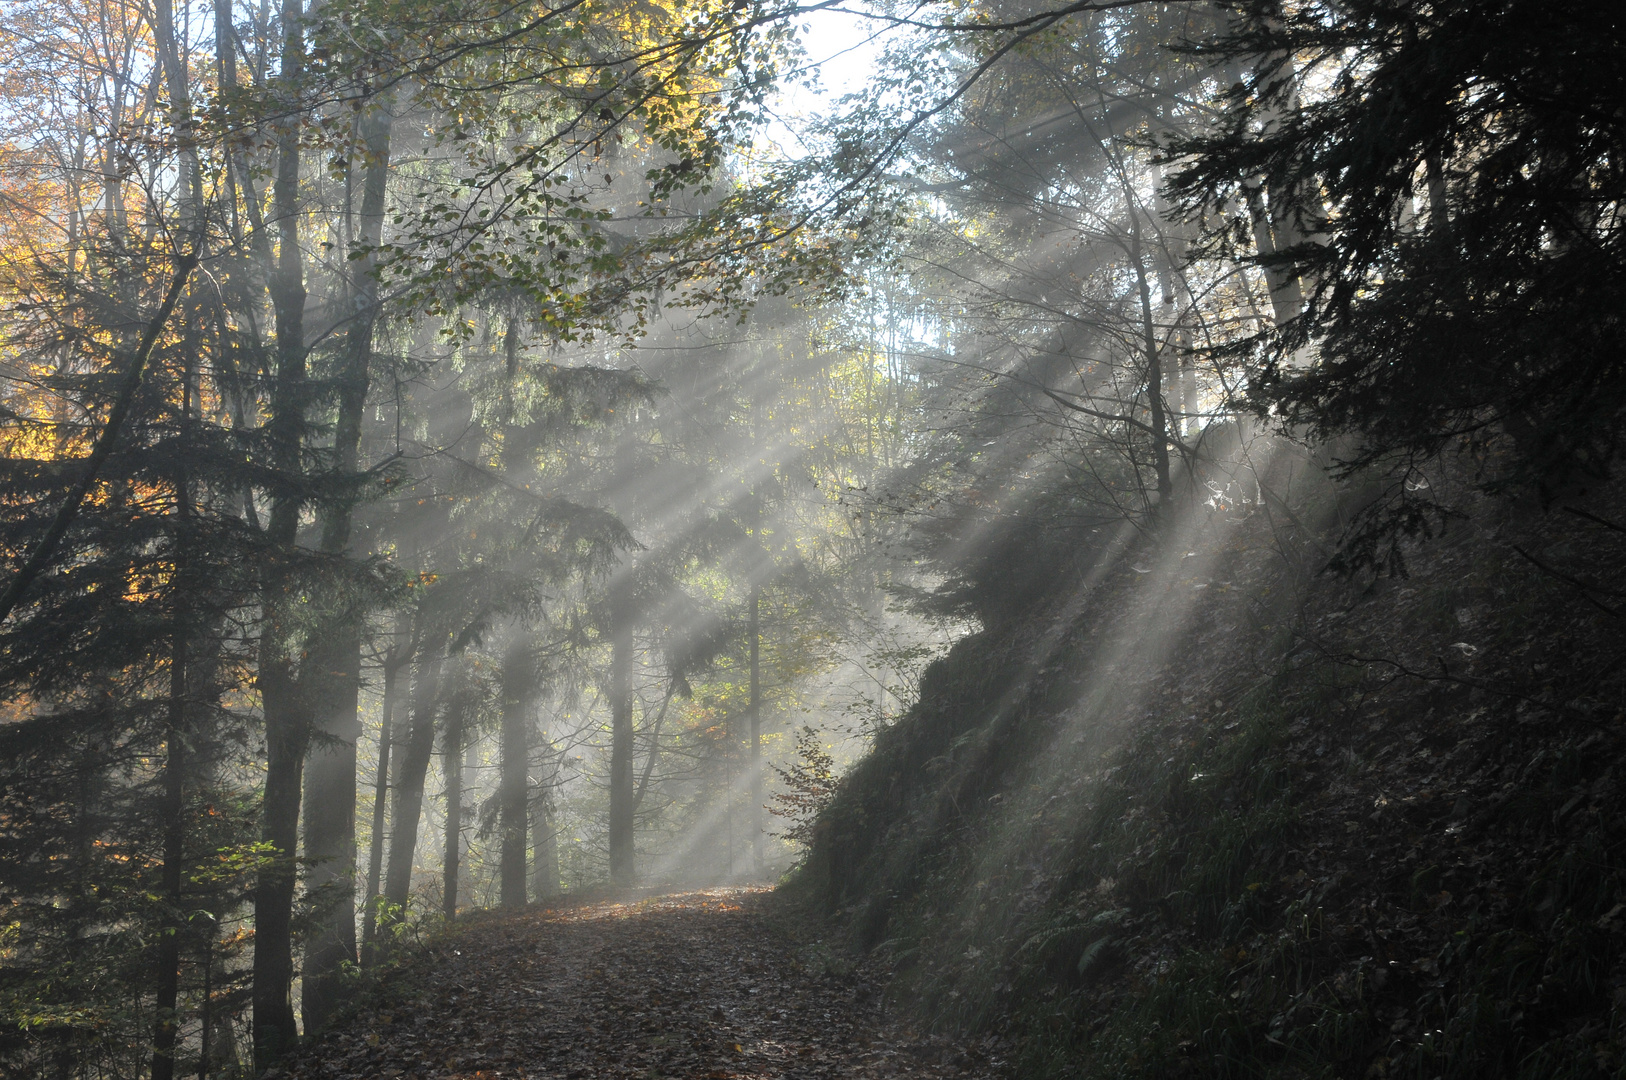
(687, 986)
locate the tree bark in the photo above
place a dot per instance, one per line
(755, 631)
(621, 790)
(1286, 298)
(330, 778)
(407, 803)
(1159, 422)
(394, 660)
(287, 715)
(1286, 295)
(544, 833)
(518, 681)
(451, 751)
(330, 822)
(172, 806)
(1173, 249)
(172, 809)
(287, 727)
(180, 105)
(287, 286)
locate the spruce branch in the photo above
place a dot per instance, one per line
(131, 383)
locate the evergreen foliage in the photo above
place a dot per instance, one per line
(361, 400)
(1444, 183)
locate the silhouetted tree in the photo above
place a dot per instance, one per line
(1443, 181)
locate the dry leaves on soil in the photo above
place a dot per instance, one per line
(692, 986)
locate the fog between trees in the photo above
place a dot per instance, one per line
(455, 454)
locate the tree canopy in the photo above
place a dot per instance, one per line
(455, 452)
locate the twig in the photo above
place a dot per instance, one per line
(654, 744)
(1446, 675)
(1594, 517)
(1586, 590)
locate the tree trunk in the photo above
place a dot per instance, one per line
(172, 809)
(544, 852)
(287, 286)
(1154, 356)
(287, 730)
(287, 717)
(1173, 251)
(1286, 298)
(180, 105)
(1286, 294)
(518, 680)
(451, 752)
(621, 791)
(355, 378)
(394, 659)
(330, 823)
(375, 855)
(407, 804)
(222, 1057)
(330, 778)
(544, 833)
(757, 837)
(172, 805)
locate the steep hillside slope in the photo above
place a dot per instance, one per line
(1207, 811)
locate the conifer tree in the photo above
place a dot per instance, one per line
(1441, 182)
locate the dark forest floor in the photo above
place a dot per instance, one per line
(687, 986)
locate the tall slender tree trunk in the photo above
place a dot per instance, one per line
(226, 74)
(1286, 297)
(172, 804)
(621, 790)
(1190, 399)
(394, 660)
(206, 1011)
(287, 727)
(330, 820)
(180, 105)
(1157, 414)
(330, 778)
(755, 631)
(518, 680)
(172, 808)
(451, 752)
(407, 804)
(284, 704)
(544, 833)
(1171, 263)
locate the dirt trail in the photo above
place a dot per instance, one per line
(686, 986)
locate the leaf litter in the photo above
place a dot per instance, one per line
(690, 986)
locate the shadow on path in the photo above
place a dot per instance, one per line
(689, 986)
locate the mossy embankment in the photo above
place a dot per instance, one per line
(1207, 811)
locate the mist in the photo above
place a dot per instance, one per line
(852, 538)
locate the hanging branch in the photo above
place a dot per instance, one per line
(654, 744)
(104, 443)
